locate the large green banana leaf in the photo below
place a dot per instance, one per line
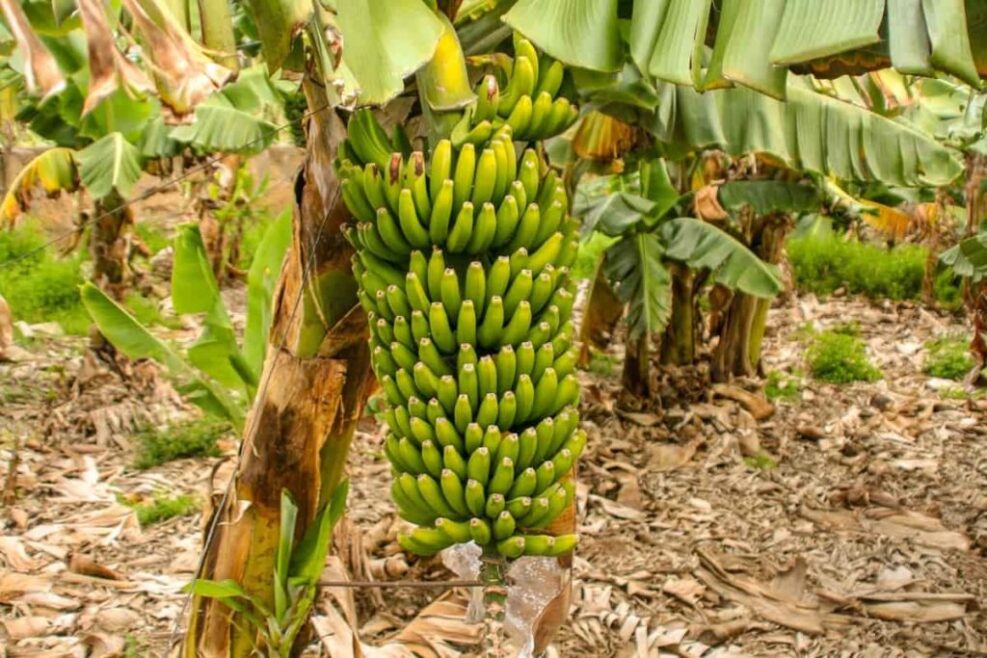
(808, 132)
(133, 339)
(968, 258)
(827, 37)
(635, 269)
(237, 118)
(768, 196)
(111, 164)
(194, 290)
(261, 281)
(700, 245)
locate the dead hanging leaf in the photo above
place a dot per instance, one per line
(603, 138)
(41, 72)
(109, 70)
(185, 76)
(706, 204)
(892, 222)
(757, 405)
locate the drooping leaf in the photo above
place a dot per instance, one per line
(968, 258)
(184, 74)
(616, 213)
(53, 171)
(743, 41)
(640, 279)
(678, 50)
(579, 32)
(221, 126)
(700, 245)
(109, 70)
(278, 21)
(946, 20)
(768, 196)
(261, 281)
(809, 131)
(646, 20)
(111, 164)
(811, 29)
(41, 71)
(126, 333)
(384, 42)
(908, 37)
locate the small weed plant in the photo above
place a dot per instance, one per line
(195, 438)
(161, 508)
(948, 358)
(783, 385)
(840, 358)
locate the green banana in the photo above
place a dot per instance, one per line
(462, 230)
(463, 175)
(476, 498)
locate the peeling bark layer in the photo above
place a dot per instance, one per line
(299, 430)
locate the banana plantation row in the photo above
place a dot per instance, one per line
(466, 164)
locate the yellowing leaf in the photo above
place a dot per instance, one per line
(53, 171)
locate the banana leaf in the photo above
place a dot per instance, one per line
(700, 245)
(581, 33)
(262, 278)
(111, 164)
(635, 269)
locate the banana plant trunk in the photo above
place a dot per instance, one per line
(975, 294)
(315, 381)
(110, 244)
(738, 353)
(636, 377)
(678, 345)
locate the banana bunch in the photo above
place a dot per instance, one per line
(463, 260)
(528, 102)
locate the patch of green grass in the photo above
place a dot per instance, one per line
(161, 508)
(589, 255)
(41, 287)
(840, 358)
(781, 385)
(135, 647)
(949, 358)
(195, 438)
(825, 264)
(960, 393)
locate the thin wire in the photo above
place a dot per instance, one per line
(403, 584)
(154, 190)
(214, 524)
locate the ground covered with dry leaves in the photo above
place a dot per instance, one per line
(841, 520)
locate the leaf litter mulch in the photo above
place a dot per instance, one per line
(841, 520)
